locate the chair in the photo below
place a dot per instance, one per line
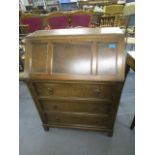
(23, 29)
(21, 54)
(81, 18)
(110, 21)
(57, 20)
(112, 16)
(33, 21)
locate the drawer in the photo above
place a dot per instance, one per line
(76, 119)
(101, 107)
(73, 90)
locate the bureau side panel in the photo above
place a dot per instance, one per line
(36, 101)
(117, 89)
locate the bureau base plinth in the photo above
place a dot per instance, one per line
(77, 127)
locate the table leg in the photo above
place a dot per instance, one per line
(133, 124)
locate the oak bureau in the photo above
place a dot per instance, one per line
(76, 76)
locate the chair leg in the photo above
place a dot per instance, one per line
(133, 124)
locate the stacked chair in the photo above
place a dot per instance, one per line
(112, 16)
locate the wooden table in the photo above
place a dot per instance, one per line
(21, 76)
(130, 63)
(131, 60)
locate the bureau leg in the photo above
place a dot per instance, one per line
(110, 133)
(46, 128)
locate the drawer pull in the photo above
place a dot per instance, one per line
(50, 91)
(97, 91)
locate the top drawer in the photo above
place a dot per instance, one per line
(73, 90)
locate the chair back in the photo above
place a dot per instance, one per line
(57, 20)
(33, 21)
(81, 18)
(111, 21)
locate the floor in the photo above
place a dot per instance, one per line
(35, 141)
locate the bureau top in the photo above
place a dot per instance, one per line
(77, 32)
(94, 54)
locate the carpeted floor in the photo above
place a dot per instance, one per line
(34, 141)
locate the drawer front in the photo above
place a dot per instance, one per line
(73, 90)
(76, 119)
(101, 107)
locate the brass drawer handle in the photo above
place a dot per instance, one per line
(97, 91)
(50, 91)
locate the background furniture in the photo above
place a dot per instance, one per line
(76, 77)
(128, 13)
(53, 5)
(23, 29)
(58, 20)
(81, 18)
(112, 16)
(130, 41)
(69, 5)
(81, 3)
(130, 63)
(21, 53)
(113, 9)
(111, 21)
(132, 124)
(35, 22)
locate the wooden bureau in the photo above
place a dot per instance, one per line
(76, 76)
